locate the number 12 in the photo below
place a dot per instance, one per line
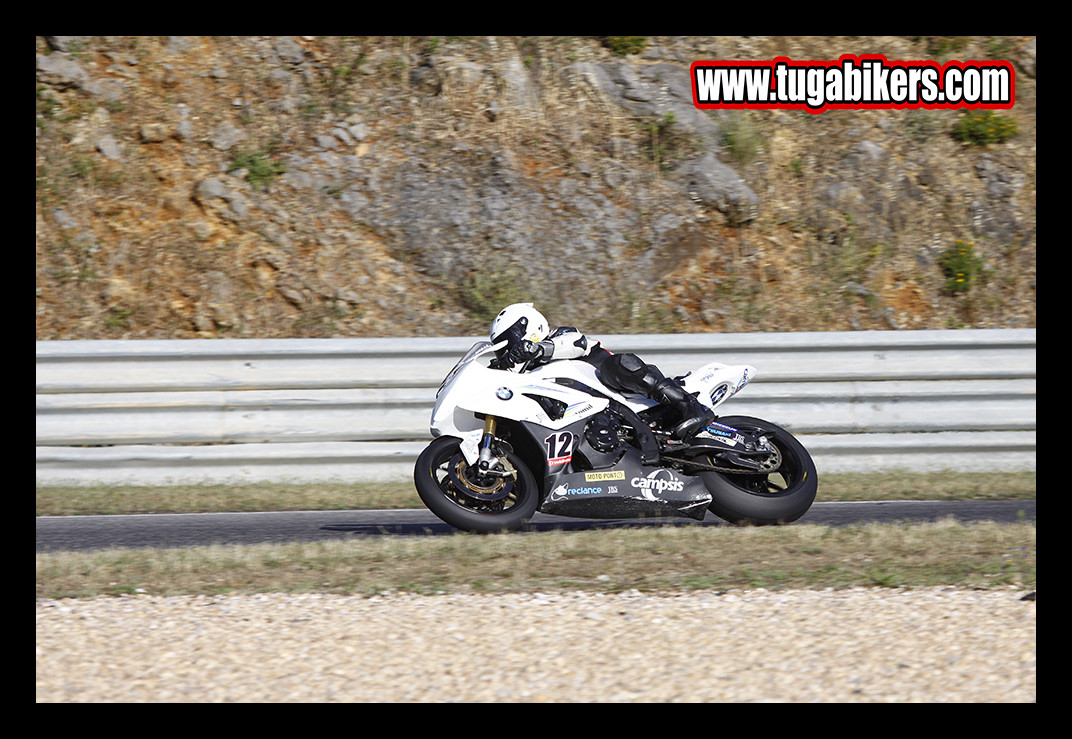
(559, 448)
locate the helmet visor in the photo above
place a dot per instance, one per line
(513, 334)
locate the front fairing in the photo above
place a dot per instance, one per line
(473, 389)
(480, 349)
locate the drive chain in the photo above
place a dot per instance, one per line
(714, 468)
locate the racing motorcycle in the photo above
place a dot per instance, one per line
(553, 438)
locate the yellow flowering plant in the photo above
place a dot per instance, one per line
(981, 127)
(961, 266)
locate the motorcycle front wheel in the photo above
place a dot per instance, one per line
(772, 497)
(462, 497)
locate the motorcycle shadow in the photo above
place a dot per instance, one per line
(537, 524)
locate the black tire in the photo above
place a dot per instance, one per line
(487, 509)
(765, 499)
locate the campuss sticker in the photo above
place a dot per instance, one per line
(867, 81)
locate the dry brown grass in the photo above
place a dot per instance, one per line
(647, 559)
(661, 558)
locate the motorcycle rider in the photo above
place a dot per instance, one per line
(530, 340)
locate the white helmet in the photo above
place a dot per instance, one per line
(517, 322)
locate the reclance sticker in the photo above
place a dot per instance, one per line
(563, 491)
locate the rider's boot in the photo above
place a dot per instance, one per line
(694, 414)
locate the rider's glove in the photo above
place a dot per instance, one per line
(524, 351)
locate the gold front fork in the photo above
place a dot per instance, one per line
(488, 463)
(484, 463)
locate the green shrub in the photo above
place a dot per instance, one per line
(961, 266)
(980, 127)
(623, 45)
(741, 139)
(261, 167)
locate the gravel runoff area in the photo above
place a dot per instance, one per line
(855, 645)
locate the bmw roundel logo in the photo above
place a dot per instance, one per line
(504, 393)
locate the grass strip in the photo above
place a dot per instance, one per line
(673, 558)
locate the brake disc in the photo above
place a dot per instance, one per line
(485, 488)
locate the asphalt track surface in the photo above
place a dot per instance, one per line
(161, 530)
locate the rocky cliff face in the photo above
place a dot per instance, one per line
(370, 186)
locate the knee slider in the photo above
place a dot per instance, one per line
(630, 363)
(628, 373)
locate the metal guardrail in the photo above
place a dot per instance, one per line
(233, 410)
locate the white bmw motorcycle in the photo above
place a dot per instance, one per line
(555, 439)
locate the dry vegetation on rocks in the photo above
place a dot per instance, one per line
(299, 186)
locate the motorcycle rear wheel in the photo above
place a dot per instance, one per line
(770, 498)
(478, 504)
